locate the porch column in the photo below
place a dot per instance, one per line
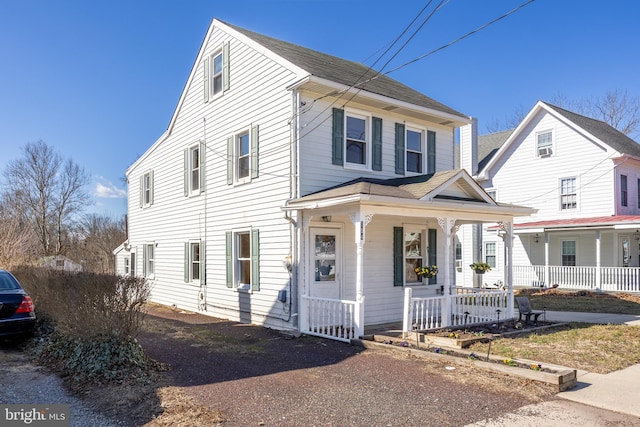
(447, 225)
(360, 221)
(547, 273)
(598, 262)
(303, 302)
(507, 227)
(509, 241)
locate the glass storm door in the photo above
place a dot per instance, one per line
(325, 263)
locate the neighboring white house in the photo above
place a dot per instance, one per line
(298, 190)
(583, 178)
(60, 262)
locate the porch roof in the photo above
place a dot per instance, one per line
(611, 221)
(448, 193)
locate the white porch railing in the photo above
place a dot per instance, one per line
(467, 307)
(613, 279)
(328, 318)
(479, 307)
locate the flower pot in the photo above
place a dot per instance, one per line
(478, 271)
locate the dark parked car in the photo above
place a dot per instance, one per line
(17, 316)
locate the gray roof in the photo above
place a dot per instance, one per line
(603, 131)
(345, 72)
(488, 146)
(414, 187)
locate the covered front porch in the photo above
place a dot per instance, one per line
(361, 242)
(597, 254)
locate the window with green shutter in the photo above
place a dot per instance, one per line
(243, 260)
(243, 156)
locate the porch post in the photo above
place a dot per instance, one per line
(447, 224)
(360, 222)
(598, 262)
(509, 241)
(303, 302)
(547, 273)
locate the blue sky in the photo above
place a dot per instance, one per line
(98, 80)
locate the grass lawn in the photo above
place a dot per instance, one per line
(589, 347)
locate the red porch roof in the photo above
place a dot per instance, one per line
(598, 221)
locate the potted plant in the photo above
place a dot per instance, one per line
(428, 271)
(480, 267)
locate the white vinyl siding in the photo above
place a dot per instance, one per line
(320, 170)
(536, 183)
(258, 95)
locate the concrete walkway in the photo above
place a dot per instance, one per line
(617, 391)
(602, 318)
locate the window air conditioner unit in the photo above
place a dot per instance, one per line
(544, 151)
(459, 264)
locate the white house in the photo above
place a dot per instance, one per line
(583, 178)
(299, 191)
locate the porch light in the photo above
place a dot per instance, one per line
(326, 218)
(536, 238)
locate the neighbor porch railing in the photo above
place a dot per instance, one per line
(466, 307)
(328, 318)
(613, 279)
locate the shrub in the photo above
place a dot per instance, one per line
(90, 322)
(84, 305)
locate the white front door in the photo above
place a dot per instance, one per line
(326, 263)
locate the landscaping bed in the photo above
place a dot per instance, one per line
(451, 345)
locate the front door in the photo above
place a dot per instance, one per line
(326, 263)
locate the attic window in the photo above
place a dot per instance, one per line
(544, 143)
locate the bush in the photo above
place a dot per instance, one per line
(89, 323)
(84, 305)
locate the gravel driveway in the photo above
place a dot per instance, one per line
(258, 377)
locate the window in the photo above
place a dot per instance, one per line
(413, 256)
(243, 262)
(149, 260)
(410, 250)
(458, 250)
(133, 263)
(216, 73)
(242, 156)
(568, 253)
(544, 143)
(568, 196)
(356, 139)
(414, 151)
(194, 262)
(146, 189)
(638, 193)
(126, 266)
(490, 254)
(493, 194)
(623, 190)
(194, 170)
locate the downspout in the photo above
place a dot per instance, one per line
(294, 231)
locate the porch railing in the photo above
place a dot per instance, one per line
(478, 307)
(328, 318)
(613, 279)
(467, 307)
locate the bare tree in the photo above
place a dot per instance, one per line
(16, 238)
(99, 236)
(616, 108)
(48, 191)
